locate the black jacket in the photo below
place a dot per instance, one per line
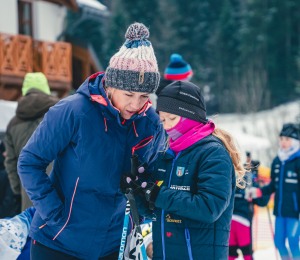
(8, 207)
(285, 184)
(195, 203)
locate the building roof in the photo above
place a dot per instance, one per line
(71, 4)
(92, 4)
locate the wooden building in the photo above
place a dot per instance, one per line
(29, 33)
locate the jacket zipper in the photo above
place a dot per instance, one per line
(280, 188)
(163, 211)
(69, 211)
(295, 201)
(188, 242)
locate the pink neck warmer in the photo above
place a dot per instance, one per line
(187, 132)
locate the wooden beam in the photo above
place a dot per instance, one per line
(59, 85)
(11, 94)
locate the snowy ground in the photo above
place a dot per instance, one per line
(266, 254)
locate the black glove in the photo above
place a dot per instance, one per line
(127, 183)
(151, 192)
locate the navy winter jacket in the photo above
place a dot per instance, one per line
(285, 184)
(79, 209)
(195, 203)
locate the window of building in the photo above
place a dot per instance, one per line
(25, 17)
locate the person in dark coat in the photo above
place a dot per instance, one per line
(191, 197)
(31, 109)
(285, 177)
(91, 136)
(8, 206)
(241, 233)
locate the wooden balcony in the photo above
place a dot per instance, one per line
(19, 54)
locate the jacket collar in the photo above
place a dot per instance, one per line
(170, 154)
(295, 155)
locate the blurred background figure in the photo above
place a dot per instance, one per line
(177, 69)
(241, 225)
(285, 172)
(30, 112)
(8, 204)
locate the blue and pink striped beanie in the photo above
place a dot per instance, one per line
(134, 68)
(178, 69)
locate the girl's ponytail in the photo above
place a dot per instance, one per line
(235, 155)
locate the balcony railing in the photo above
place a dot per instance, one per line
(19, 54)
(15, 55)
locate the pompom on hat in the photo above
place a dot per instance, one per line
(178, 69)
(134, 68)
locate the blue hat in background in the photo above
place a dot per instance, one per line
(178, 69)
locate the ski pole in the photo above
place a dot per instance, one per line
(134, 172)
(134, 165)
(124, 231)
(136, 219)
(271, 227)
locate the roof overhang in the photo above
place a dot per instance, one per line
(93, 9)
(71, 4)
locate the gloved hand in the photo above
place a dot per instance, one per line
(151, 192)
(252, 193)
(126, 182)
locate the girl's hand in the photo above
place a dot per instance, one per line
(151, 192)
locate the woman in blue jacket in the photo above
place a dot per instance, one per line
(285, 171)
(91, 136)
(194, 181)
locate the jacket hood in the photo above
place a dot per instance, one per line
(93, 89)
(35, 104)
(293, 156)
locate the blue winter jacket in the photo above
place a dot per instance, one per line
(79, 209)
(195, 203)
(285, 178)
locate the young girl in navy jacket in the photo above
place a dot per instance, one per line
(285, 172)
(192, 194)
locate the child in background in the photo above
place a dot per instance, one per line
(285, 172)
(194, 181)
(240, 233)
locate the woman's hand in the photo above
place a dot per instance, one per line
(127, 183)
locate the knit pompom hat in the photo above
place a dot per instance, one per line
(134, 68)
(290, 130)
(178, 69)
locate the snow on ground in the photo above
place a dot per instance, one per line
(266, 254)
(7, 112)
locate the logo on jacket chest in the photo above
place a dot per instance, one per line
(291, 174)
(168, 219)
(180, 171)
